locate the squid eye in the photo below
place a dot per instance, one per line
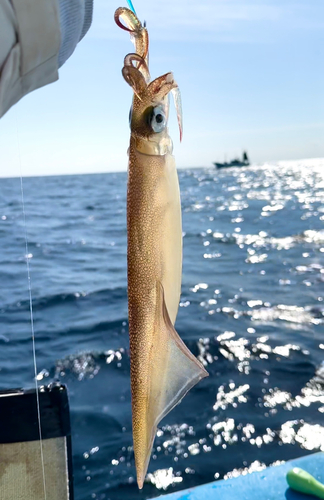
(158, 119)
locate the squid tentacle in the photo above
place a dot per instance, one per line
(133, 25)
(141, 64)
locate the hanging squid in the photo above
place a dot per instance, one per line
(163, 369)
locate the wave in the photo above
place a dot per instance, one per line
(267, 314)
(109, 295)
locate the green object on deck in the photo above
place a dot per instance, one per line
(300, 480)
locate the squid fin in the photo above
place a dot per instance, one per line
(182, 370)
(175, 370)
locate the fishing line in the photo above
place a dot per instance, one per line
(131, 6)
(31, 312)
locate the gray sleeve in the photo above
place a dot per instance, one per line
(30, 41)
(8, 30)
(36, 38)
(75, 20)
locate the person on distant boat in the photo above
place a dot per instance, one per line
(36, 38)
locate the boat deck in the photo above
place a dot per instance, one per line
(268, 484)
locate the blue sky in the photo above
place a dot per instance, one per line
(251, 75)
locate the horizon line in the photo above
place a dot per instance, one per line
(273, 163)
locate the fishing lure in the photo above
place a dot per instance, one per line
(300, 480)
(163, 369)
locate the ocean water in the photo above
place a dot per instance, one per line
(251, 309)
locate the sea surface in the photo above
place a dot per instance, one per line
(251, 309)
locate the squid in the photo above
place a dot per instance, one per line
(163, 369)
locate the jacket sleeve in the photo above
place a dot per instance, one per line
(75, 20)
(30, 40)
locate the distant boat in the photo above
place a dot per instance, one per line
(235, 163)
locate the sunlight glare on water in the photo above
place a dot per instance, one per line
(251, 310)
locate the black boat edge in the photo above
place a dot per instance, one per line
(37, 467)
